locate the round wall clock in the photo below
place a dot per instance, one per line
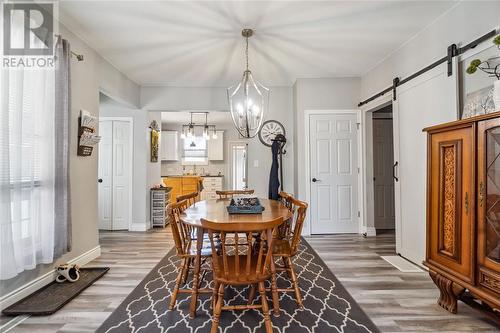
(269, 130)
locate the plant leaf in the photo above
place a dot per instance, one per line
(471, 69)
(475, 62)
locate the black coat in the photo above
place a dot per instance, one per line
(274, 182)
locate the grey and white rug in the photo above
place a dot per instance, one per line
(328, 307)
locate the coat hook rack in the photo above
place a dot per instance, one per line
(280, 138)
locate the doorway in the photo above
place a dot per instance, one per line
(238, 166)
(333, 171)
(115, 173)
(383, 169)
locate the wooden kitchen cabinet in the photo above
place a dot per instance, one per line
(169, 146)
(182, 185)
(463, 210)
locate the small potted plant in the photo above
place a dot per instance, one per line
(490, 68)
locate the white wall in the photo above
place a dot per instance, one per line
(464, 22)
(319, 94)
(87, 77)
(280, 108)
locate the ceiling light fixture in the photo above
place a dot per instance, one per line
(248, 100)
(188, 130)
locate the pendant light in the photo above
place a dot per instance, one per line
(248, 100)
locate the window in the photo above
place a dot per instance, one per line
(195, 151)
(26, 167)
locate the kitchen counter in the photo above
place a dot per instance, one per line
(180, 176)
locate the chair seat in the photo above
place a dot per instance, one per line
(281, 248)
(241, 278)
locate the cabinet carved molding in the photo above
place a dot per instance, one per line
(463, 211)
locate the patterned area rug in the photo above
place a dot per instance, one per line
(328, 307)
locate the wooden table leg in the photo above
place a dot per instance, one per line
(196, 273)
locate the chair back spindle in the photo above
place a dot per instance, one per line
(231, 193)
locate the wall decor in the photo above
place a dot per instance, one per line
(491, 67)
(87, 138)
(155, 141)
(269, 130)
(478, 102)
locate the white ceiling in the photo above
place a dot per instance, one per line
(188, 43)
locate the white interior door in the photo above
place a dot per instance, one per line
(115, 183)
(105, 171)
(427, 100)
(121, 175)
(383, 181)
(238, 165)
(333, 147)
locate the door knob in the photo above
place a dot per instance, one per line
(99, 180)
(315, 180)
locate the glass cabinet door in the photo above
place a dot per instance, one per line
(491, 195)
(488, 204)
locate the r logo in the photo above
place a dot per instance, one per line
(37, 22)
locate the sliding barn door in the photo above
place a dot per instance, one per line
(427, 100)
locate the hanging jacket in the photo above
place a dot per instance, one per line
(274, 182)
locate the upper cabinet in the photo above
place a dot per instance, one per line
(216, 147)
(169, 146)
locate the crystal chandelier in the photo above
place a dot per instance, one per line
(248, 100)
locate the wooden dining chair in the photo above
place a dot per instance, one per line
(237, 264)
(185, 245)
(287, 246)
(190, 199)
(231, 193)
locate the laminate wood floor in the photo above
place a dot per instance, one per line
(395, 301)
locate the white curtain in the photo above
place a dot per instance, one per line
(26, 168)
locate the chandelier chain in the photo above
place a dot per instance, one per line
(246, 51)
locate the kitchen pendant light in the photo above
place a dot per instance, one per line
(248, 100)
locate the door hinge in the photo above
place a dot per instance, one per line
(358, 170)
(357, 126)
(359, 213)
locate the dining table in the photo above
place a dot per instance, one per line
(215, 210)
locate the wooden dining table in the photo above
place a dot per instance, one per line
(216, 211)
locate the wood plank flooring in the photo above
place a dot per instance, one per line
(395, 301)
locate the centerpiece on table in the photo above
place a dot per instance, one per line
(245, 206)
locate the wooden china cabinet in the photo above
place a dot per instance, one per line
(463, 211)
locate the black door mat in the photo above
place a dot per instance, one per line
(54, 296)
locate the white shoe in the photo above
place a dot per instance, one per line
(67, 272)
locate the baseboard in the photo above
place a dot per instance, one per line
(368, 231)
(138, 227)
(45, 279)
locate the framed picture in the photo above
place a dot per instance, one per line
(155, 145)
(478, 102)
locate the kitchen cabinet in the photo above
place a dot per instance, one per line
(216, 147)
(210, 185)
(182, 185)
(169, 146)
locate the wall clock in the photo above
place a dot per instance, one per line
(269, 130)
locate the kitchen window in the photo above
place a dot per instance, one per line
(195, 151)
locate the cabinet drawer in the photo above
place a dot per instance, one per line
(451, 196)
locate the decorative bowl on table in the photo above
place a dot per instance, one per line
(245, 206)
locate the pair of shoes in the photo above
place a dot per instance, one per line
(67, 272)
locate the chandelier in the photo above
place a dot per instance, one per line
(248, 100)
(188, 130)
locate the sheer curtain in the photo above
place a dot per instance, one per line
(26, 169)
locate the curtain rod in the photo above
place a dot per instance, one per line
(78, 56)
(453, 51)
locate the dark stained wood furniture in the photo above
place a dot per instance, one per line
(215, 211)
(463, 210)
(237, 264)
(186, 249)
(231, 193)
